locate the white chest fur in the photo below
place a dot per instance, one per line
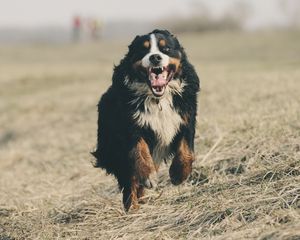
(161, 117)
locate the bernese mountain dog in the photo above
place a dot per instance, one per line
(148, 115)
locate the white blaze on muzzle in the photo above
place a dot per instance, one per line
(154, 50)
(158, 74)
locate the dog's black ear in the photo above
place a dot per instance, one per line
(134, 42)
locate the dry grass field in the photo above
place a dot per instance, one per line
(246, 180)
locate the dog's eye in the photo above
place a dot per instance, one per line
(166, 49)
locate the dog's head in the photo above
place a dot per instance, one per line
(154, 60)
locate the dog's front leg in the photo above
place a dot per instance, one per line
(144, 174)
(182, 162)
(145, 169)
(130, 193)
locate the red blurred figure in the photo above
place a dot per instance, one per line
(76, 28)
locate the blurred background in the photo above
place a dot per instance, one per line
(77, 20)
(56, 60)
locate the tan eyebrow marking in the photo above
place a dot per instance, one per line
(147, 44)
(162, 43)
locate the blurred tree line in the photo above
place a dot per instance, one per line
(202, 19)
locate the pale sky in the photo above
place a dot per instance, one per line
(35, 13)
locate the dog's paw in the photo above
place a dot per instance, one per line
(179, 172)
(152, 181)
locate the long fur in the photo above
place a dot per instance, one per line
(135, 128)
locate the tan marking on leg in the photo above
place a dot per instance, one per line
(134, 194)
(130, 199)
(140, 194)
(185, 119)
(181, 166)
(144, 161)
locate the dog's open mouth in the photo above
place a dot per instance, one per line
(159, 78)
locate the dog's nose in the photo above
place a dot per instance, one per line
(155, 59)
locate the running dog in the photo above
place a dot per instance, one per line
(148, 115)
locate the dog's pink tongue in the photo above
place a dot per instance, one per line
(157, 80)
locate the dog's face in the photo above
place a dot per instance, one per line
(156, 60)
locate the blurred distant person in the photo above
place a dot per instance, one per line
(95, 29)
(76, 25)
